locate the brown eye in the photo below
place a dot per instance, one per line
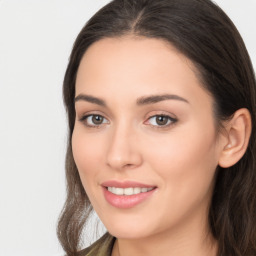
(93, 120)
(97, 119)
(161, 120)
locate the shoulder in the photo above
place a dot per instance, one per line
(102, 247)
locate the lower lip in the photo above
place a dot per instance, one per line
(125, 202)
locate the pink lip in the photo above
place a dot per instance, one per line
(125, 184)
(123, 201)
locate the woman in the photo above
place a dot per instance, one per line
(161, 101)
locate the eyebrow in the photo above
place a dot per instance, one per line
(144, 100)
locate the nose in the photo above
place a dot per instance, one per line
(123, 151)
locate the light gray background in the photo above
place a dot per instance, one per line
(36, 38)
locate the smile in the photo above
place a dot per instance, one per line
(127, 194)
(128, 191)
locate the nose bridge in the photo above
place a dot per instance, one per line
(123, 147)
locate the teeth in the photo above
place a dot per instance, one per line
(118, 191)
(128, 191)
(136, 190)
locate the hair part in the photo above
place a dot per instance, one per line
(202, 32)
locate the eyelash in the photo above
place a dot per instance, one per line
(171, 121)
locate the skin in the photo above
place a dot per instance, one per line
(179, 158)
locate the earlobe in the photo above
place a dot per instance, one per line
(237, 138)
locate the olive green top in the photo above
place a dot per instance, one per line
(102, 247)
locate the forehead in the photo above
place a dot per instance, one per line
(132, 53)
(129, 66)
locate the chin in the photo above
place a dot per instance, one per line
(130, 230)
(128, 234)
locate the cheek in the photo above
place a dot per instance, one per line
(185, 163)
(186, 160)
(87, 154)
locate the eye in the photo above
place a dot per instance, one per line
(161, 121)
(93, 120)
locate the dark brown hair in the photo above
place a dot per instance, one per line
(203, 33)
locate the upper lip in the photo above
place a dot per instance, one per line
(125, 184)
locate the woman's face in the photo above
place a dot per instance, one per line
(144, 140)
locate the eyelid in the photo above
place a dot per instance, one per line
(172, 120)
(85, 117)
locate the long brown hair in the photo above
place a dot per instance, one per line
(202, 32)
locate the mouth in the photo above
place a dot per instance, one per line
(127, 194)
(128, 191)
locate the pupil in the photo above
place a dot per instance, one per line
(97, 119)
(162, 120)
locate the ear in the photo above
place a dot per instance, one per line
(238, 131)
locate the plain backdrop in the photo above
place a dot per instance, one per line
(36, 38)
